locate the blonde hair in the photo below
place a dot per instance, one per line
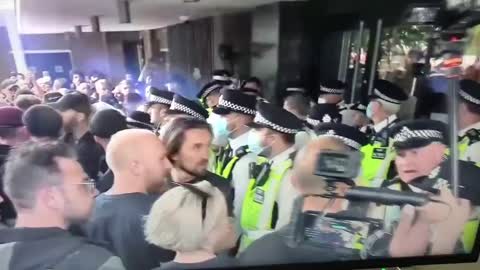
(175, 220)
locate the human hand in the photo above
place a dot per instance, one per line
(411, 238)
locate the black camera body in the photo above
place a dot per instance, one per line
(337, 166)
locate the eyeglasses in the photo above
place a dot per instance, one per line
(200, 193)
(89, 186)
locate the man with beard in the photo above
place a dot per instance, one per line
(50, 192)
(188, 141)
(76, 110)
(139, 164)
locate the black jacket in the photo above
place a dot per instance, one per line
(7, 212)
(52, 248)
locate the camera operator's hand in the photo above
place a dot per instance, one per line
(448, 230)
(411, 238)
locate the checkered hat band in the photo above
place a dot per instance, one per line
(259, 119)
(468, 97)
(210, 90)
(384, 97)
(161, 100)
(332, 90)
(427, 134)
(313, 122)
(235, 107)
(347, 141)
(180, 107)
(221, 78)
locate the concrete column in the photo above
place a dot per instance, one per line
(15, 41)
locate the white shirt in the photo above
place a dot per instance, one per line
(380, 126)
(302, 138)
(240, 176)
(287, 193)
(473, 151)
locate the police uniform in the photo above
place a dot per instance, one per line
(350, 136)
(270, 195)
(379, 153)
(162, 97)
(469, 137)
(332, 87)
(209, 88)
(185, 106)
(232, 161)
(420, 133)
(350, 114)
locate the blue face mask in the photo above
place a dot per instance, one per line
(254, 142)
(219, 127)
(369, 111)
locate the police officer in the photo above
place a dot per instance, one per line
(270, 195)
(236, 110)
(355, 115)
(222, 76)
(384, 104)
(158, 104)
(423, 165)
(332, 91)
(210, 94)
(323, 114)
(350, 136)
(469, 117)
(184, 106)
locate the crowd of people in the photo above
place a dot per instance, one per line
(139, 177)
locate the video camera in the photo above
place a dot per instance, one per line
(345, 231)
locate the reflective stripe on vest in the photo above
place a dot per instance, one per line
(226, 170)
(258, 205)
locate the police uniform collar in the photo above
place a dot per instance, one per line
(464, 131)
(380, 126)
(238, 142)
(285, 155)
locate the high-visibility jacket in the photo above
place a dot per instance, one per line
(376, 163)
(225, 163)
(465, 142)
(257, 217)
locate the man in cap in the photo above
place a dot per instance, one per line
(43, 123)
(270, 195)
(423, 165)
(76, 110)
(355, 115)
(12, 134)
(469, 120)
(323, 114)
(385, 103)
(222, 76)
(141, 120)
(103, 126)
(297, 102)
(158, 104)
(236, 111)
(184, 106)
(332, 91)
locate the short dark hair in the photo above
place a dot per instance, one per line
(77, 72)
(43, 121)
(24, 92)
(24, 102)
(299, 102)
(31, 167)
(9, 132)
(173, 134)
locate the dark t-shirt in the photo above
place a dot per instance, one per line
(273, 249)
(118, 222)
(217, 262)
(105, 182)
(89, 154)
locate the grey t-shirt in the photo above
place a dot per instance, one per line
(217, 262)
(118, 222)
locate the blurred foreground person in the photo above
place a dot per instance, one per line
(76, 110)
(12, 134)
(469, 120)
(50, 192)
(192, 220)
(139, 164)
(43, 123)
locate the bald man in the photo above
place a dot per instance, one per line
(139, 164)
